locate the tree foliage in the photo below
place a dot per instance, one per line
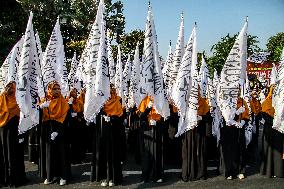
(13, 21)
(222, 49)
(275, 46)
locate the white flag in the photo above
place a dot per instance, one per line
(119, 83)
(110, 59)
(151, 81)
(8, 70)
(203, 75)
(40, 82)
(134, 81)
(232, 76)
(72, 78)
(182, 86)
(27, 87)
(54, 65)
(278, 97)
(102, 82)
(189, 121)
(166, 70)
(126, 79)
(273, 75)
(89, 61)
(178, 54)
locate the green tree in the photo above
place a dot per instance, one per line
(222, 49)
(76, 17)
(12, 25)
(275, 45)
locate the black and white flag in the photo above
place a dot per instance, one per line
(182, 86)
(278, 97)
(232, 76)
(89, 62)
(8, 70)
(151, 81)
(203, 77)
(54, 64)
(166, 70)
(134, 81)
(178, 54)
(73, 80)
(27, 86)
(110, 59)
(189, 120)
(119, 84)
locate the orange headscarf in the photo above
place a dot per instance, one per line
(245, 114)
(82, 97)
(77, 105)
(113, 106)
(255, 106)
(203, 107)
(266, 105)
(153, 115)
(58, 107)
(8, 108)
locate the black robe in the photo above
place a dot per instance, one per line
(151, 149)
(77, 138)
(272, 163)
(54, 154)
(172, 144)
(12, 168)
(232, 150)
(194, 153)
(33, 145)
(107, 151)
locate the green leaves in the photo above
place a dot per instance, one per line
(275, 45)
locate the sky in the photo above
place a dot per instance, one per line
(215, 19)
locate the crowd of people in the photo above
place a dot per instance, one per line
(63, 137)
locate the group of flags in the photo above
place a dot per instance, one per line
(178, 82)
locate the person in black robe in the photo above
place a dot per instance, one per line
(151, 125)
(233, 143)
(76, 128)
(194, 152)
(12, 168)
(54, 149)
(272, 162)
(108, 144)
(33, 145)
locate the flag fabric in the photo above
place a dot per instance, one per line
(26, 85)
(203, 75)
(110, 59)
(232, 76)
(73, 80)
(126, 79)
(273, 75)
(102, 82)
(166, 69)
(119, 83)
(182, 86)
(134, 81)
(189, 121)
(89, 62)
(54, 64)
(178, 54)
(278, 97)
(151, 81)
(216, 113)
(8, 70)
(40, 83)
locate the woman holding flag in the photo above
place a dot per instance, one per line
(54, 162)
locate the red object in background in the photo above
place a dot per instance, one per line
(259, 69)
